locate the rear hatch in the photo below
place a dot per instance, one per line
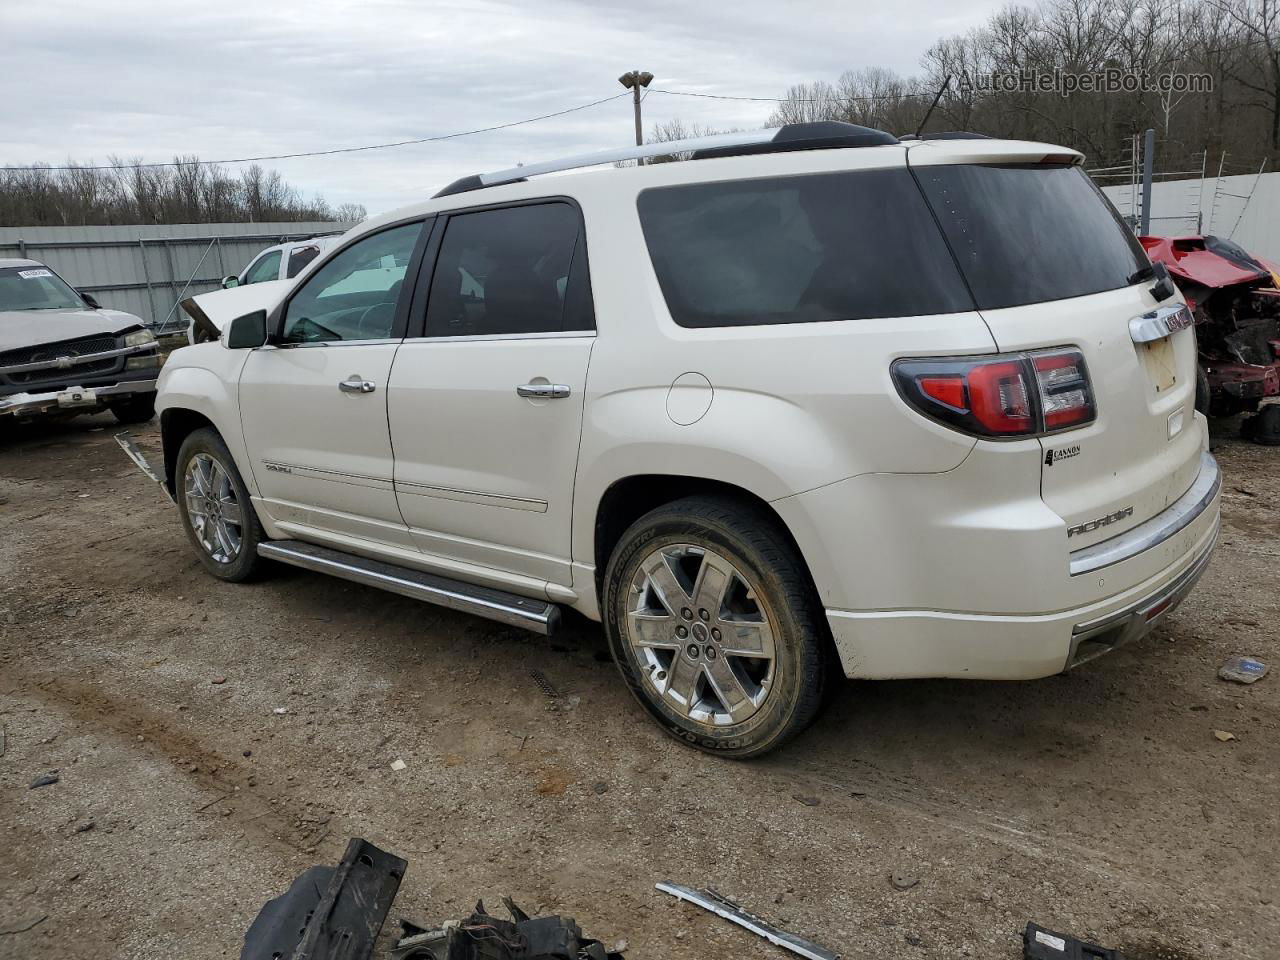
(1050, 264)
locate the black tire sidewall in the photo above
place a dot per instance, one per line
(246, 562)
(137, 409)
(776, 721)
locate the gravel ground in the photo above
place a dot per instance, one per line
(1098, 803)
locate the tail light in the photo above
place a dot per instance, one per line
(1004, 395)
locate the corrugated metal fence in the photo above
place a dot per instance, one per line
(144, 269)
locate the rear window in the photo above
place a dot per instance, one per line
(1027, 234)
(842, 246)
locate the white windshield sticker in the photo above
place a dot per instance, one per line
(34, 274)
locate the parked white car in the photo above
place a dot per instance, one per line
(813, 400)
(281, 262)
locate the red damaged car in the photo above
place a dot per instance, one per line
(1235, 297)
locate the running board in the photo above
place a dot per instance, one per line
(540, 616)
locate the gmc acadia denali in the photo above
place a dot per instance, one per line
(813, 399)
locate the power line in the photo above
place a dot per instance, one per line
(327, 153)
(725, 96)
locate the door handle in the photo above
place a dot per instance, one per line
(356, 385)
(543, 391)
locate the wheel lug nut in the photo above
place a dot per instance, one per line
(692, 650)
(687, 613)
(704, 615)
(681, 632)
(715, 633)
(711, 653)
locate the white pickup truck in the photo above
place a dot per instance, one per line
(815, 402)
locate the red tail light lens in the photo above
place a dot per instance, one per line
(1005, 395)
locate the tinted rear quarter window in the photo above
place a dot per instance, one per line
(841, 246)
(1028, 234)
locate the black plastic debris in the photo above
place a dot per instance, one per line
(485, 937)
(45, 780)
(329, 913)
(1263, 427)
(1041, 944)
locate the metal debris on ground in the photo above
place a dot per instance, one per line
(1041, 944)
(544, 685)
(903, 881)
(1243, 670)
(724, 907)
(484, 937)
(329, 913)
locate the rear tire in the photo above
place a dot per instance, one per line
(215, 508)
(1203, 397)
(715, 626)
(137, 409)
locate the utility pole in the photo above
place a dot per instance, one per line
(1148, 168)
(634, 81)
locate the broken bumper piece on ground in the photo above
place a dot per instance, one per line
(1041, 944)
(485, 937)
(329, 913)
(132, 451)
(726, 908)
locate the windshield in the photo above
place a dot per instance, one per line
(1028, 234)
(36, 288)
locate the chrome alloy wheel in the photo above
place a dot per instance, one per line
(216, 514)
(701, 635)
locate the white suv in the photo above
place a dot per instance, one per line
(814, 399)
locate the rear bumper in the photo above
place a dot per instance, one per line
(967, 573)
(924, 643)
(72, 399)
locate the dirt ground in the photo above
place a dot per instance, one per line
(1098, 803)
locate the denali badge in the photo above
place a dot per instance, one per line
(277, 467)
(1063, 453)
(1093, 525)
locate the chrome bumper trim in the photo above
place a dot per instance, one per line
(20, 403)
(1169, 522)
(1106, 633)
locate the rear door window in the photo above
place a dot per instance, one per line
(511, 271)
(839, 246)
(299, 257)
(1030, 233)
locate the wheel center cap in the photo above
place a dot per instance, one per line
(700, 632)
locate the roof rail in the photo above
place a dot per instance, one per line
(793, 136)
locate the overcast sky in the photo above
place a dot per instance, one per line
(236, 78)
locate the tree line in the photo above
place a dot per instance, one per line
(130, 192)
(1233, 44)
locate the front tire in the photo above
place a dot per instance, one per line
(216, 511)
(715, 626)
